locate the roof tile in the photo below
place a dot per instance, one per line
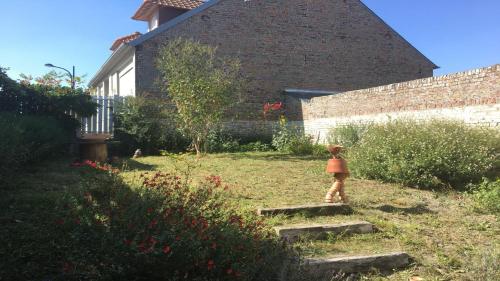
(148, 5)
(124, 39)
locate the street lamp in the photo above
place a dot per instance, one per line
(72, 76)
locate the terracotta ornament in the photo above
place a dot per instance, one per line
(338, 167)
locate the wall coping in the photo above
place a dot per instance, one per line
(419, 82)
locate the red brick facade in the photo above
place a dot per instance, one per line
(322, 44)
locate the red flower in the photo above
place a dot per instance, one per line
(214, 245)
(127, 242)
(267, 107)
(150, 210)
(166, 249)
(77, 221)
(272, 107)
(277, 106)
(60, 221)
(210, 264)
(229, 271)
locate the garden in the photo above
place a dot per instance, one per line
(186, 209)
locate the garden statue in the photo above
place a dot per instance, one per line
(338, 167)
(137, 154)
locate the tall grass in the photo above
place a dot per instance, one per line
(433, 154)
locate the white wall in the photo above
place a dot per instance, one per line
(120, 81)
(480, 115)
(126, 78)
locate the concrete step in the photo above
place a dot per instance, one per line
(317, 209)
(292, 232)
(352, 264)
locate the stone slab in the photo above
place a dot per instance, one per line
(317, 209)
(381, 262)
(320, 231)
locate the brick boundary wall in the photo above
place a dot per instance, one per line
(471, 96)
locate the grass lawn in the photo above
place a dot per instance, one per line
(444, 236)
(447, 239)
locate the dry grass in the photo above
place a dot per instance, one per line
(447, 240)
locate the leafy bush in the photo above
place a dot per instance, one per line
(347, 135)
(432, 154)
(42, 100)
(221, 141)
(202, 85)
(283, 135)
(300, 145)
(163, 230)
(148, 124)
(255, 146)
(292, 140)
(34, 122)
(27, 139)
(487, 196)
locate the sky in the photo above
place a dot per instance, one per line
(457, 35)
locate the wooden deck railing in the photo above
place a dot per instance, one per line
(99, 125)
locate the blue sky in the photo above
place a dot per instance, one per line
(455, 34)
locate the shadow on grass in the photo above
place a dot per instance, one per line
(132, 164)
(274, 156)
(415, 210)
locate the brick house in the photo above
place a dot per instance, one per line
(325, 46)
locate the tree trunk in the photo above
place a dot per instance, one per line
(197, 147)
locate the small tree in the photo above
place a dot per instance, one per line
(201, 85)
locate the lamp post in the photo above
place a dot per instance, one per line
(72, 76)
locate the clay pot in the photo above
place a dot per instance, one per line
(337, 165)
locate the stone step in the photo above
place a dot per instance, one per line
(293, 232)
(354, 264)
(318, 209)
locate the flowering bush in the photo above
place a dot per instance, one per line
(164, 229)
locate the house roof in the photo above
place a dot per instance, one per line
(124, 39)
(148, 6)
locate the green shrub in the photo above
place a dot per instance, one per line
(27, 139)
(163, 229)
(255, 146)
(433, 154)
(282, 138)
(148, 124)
(487, 196)
(292, 140)
(320, 150)
(300, 145)
(220, 141)
(347, 135)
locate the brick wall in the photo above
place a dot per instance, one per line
(472, 96)
(321, 44)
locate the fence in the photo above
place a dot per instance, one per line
(101, 123)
